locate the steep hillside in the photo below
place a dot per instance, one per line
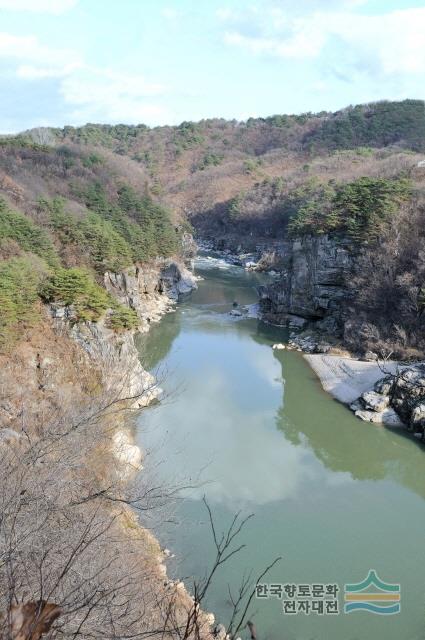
(94, 229)
(195, 165)
(101, 198)
(66, 218)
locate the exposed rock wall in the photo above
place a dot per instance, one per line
(151, 290)
(313, 282)
(63, 362)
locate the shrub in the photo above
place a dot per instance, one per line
(210, 160)
(358, 208)
(92, 160)
(30, 237)
(308, 209)
(76, 287)
(234, 208)
(63, 224)
(251, 166)
(188, 135)
(19, 281)
(362, 206)
(108, 250)
(123, 318)
(374, 125)
(144, 225)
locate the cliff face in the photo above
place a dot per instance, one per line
(61, 360)
(151, 291)
(313, 282)
(58, 387)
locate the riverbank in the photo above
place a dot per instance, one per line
(268, 440)
(72, 391)
(390, 393)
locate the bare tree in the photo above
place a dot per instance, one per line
(70, 536)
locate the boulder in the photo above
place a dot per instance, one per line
(385, 385)
(408, 393)
(127, 453)
(220, 632)
(387, 417)
(417, 419)
(357, 405)
(278, 346)
(370, 356)
(323, 347)
(297, 322)
(374, 401)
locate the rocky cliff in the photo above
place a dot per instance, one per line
(312, 286)
(151, 291)
(63, 360)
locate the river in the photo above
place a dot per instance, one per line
(252, 429)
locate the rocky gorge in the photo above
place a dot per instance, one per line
(310, 295)
(96, 229)
(310, 285)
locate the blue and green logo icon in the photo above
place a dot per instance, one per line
(373, 595)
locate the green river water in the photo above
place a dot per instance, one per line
(332, 495)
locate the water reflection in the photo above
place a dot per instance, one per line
(330, 493)
(339, 440)
(238, 397)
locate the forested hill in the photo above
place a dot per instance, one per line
(67, 216)
(194, 166)
(376, 124)
(76, 202)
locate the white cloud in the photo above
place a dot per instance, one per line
(303, 43)
(30, 72)
(36, 57)
(102, 95)
(388, 44)
(88, 93)
(55, 7)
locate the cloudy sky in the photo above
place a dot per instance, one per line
(162, 62)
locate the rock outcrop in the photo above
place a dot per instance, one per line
(151, 290)
(408, 397)
(396, 399)
(312, 285)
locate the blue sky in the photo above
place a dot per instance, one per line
(162, 62)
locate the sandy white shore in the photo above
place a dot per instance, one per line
(345, 378)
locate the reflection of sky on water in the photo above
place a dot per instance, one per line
(331, 494)
(231, 424)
